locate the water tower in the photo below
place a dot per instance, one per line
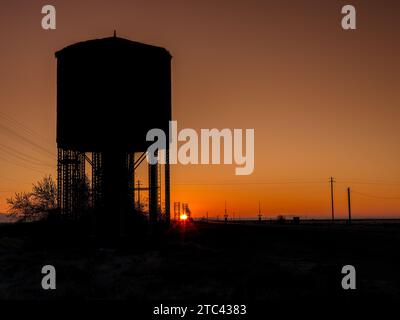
(110, 92)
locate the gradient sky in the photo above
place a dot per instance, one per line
(323, 101)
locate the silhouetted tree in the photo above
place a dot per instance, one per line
(37, 204)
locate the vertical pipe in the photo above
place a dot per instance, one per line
(153, 189)
(65, 196)
(167, 185)
(159, 194)
(59, 179)
(133, 181)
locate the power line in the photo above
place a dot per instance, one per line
(10, 151)
(280, 182)
(371, 183)
(22, 165)
(20, 126)
(12, 133)
(374, 196)
(8, 178)
(246, 183)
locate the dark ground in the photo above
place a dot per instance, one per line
(205, 262)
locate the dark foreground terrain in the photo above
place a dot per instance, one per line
(205, 262)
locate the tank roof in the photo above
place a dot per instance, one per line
(115, 42)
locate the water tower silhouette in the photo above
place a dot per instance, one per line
(110, 92)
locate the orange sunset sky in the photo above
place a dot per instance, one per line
(323, 101)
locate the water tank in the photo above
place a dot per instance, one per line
(110, 92)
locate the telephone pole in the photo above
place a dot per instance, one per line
(349, 203)
(333, 208)
(259, 211)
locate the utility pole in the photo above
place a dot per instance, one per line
(349, 203)
(259, 211)
(333, 208)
